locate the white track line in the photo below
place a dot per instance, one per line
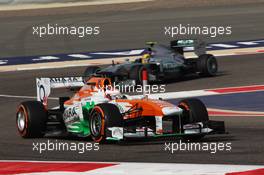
(25, 97)
(61, 4)
(51, 67)
(181, 94)
(224, 45)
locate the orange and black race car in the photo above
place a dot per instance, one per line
(99, 111)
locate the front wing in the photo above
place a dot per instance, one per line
(198, 129)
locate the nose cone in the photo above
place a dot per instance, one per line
(171, 110)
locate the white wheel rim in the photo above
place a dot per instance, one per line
(21, 121)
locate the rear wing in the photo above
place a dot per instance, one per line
(44, 86)
(198, 45)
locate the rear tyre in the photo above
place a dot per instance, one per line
(89, 71)
(207, 65)
(103, 116)
(135, 73)
(31, 119)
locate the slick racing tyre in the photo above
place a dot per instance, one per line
(194, 111)
(90, 70)
(135, 73)
(31, 119)
(103, 116)
(207, 65)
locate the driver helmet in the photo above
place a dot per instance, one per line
(112, 94)
(145, 58)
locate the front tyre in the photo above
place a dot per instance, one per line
(31, 119)
(103, 116)
(207, 65)
(194, 111)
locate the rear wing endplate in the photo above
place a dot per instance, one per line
(44, 86)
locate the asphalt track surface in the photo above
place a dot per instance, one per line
(245, 133)
(126, 26)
